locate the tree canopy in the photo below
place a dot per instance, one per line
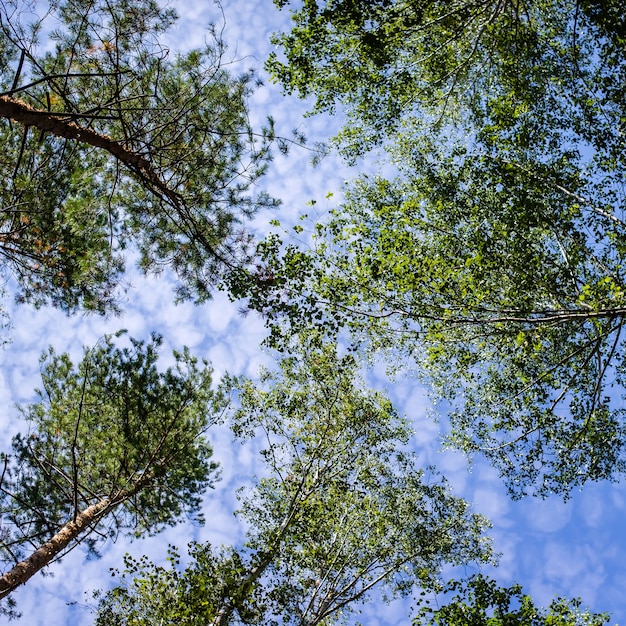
(385, 60)
(339, 511)
(114, 446)
(110, 139)
(480, 602)
(489, 262)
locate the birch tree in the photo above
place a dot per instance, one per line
(340, 509)
(492, 257)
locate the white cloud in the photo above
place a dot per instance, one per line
(492, 503)
(547, 516)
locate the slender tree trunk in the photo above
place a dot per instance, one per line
(229, 604)
(44, 554)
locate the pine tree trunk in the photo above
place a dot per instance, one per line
(27, 568)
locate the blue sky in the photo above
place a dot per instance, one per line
(552, 548)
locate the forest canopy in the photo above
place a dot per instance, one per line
(112, 141)
(477, 251)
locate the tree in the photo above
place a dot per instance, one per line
(111, 140)
(339, 511)
(114, 446)
(480, 602)
(495, 257)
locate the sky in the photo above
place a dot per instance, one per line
(552, 548)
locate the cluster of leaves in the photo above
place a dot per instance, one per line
(386, 59)
(417, 269)
(480, 602)
(189, 597)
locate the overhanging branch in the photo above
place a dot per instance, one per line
(23, 113)
(46, 121)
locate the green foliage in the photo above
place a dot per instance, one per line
(189, 597)
(495, 257)
(114, 428)
(129, 145)
(339, 511)
(480, 602)
(387, 59)
(508, 311)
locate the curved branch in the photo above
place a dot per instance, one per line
(59, 126)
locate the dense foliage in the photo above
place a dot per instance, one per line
(480, 602)
(384, 60)
(488, 259)
(494, 257)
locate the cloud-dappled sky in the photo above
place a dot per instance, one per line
(577, 548)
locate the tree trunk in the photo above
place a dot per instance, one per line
(44, 554)
(230, 603)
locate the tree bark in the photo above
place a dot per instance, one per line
(27, 568)
(229, 604)
(60, 126)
